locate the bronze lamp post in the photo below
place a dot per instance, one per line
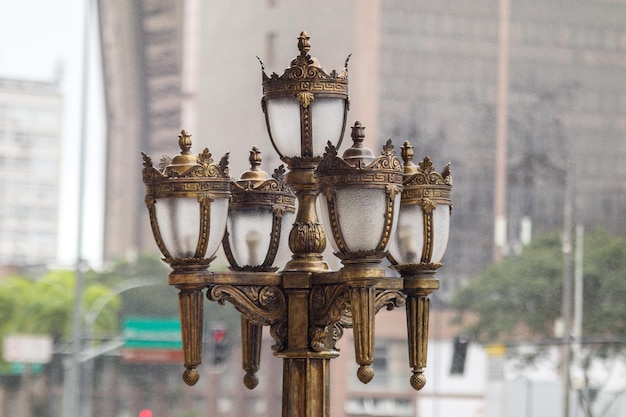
(372, 207)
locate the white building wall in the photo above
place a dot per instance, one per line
(30, 136)
(453, 395)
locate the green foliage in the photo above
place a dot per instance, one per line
(525, 291)
(156, 298)
(44, 306)
(153, 297)
(604, 285)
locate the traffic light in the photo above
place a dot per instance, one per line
(459, 355)
(145, 413)
(219, 347)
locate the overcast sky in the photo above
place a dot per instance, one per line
(40, 40)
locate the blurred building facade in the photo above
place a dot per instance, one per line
(30, 150)
(419, 71)
(141, 45)
(426, 72)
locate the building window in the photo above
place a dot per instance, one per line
(387, 406)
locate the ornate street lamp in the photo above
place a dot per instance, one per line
(358, 190)
(418, 247)
(192, 194)
(187, 200)
(305, 108)
(260, 208)
(368, 203)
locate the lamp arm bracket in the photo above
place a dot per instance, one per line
(262, 305)
(388, 298)
(328, 303)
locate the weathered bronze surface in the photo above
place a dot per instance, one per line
(186, 176)
(356, 170)
(255, 190)
(305, 305)
(305, 80)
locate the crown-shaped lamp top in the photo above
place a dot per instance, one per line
(304, 69)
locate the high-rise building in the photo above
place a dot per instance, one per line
(564, 99)
(439, 74)
(141, 45)
(30, 149)
(422, 72)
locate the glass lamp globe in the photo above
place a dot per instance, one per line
(424, 220)
(305, 107)
(187, 199)
(260, 209)
(360, 198)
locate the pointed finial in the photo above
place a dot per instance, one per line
(447, 174)
(407, 153)
(357, 153)
(184, 141)
(255, 159)
(358, 134)
(388, 148)
(254, 176)
(304, 46)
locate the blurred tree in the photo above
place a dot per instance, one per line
(43, 306)
(524, 291)
(519, 299)
(520, 290)
(153, 297)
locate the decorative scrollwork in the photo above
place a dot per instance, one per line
(307, 237)
(328, 304)
(423, 182)
(337, 334)
(278, 331)
(264, 305)
(389, 299)
(305, 75)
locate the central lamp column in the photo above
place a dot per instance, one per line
(307, 239)
(304, 108)
(306, 372)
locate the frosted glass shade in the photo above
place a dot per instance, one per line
(441, 228)
(249, 235)
(327, 115)
(283, 119)
(408, 245)
(179, 224)
(361, 214)
(284, 253)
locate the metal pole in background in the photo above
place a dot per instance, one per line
(72, 385)
(578, 292)
(89, 355)
(502, 123)
(568, 290)
(576, 377)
